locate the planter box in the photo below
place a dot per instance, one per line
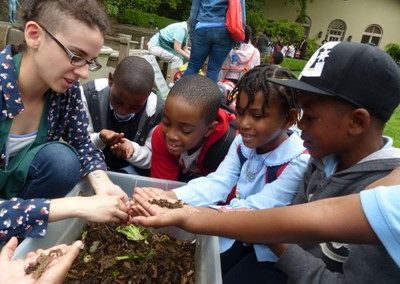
(207, 261)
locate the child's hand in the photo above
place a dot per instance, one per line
(153, 192)
(110, 137)
(124, 149)
(103, 208)
(13, 271)
(152, 215)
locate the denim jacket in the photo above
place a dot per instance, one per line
(210, 11)
(207, 11)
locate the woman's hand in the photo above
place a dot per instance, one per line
(102, 185)
(102, 208)
(13, 271)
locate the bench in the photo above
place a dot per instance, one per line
(10, 35)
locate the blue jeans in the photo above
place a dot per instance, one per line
(54, 171)
(215, 43)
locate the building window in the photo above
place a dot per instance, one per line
(336, 30)
(306, 24)
(372, 34)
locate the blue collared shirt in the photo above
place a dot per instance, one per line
(255, 194)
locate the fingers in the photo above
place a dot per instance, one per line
(8, 250)
(149, 192)
(138, 210)
(142, 192)
(31, 254)
(110, 137)
(145, 221)
(58, 269)
(117, 138)
(145, 206)
(122, 212)
(124, 197)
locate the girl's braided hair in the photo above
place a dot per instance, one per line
(256, 80)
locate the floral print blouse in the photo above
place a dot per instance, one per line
(25, 218)
(66, 117)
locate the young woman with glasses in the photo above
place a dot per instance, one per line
(44, 145)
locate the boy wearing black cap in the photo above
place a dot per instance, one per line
(348, 91)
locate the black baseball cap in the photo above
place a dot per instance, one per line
(356, 72)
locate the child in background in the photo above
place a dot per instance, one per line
(266, 162)
(123, 112)
(275, 58)
(170, 45)
(195, 133)
(240, 59)
(347, 92)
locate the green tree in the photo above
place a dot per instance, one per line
(302, 5)
(393, 49)
(284, 31)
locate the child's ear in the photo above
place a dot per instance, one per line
(292, 117)
(110, 79)
(33, 36)
(360, 121)
(211, 127)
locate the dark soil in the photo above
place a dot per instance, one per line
(166, 203)
(108, 257)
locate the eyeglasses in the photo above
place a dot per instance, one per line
(76, 60)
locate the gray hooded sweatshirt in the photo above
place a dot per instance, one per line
(337, 262)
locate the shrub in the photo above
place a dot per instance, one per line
(142, 19)
(284, 31)
(256, 20)
(393, 49)
(312, 46)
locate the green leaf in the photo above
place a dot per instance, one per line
(133, 233)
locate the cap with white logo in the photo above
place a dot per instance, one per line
(359, 73)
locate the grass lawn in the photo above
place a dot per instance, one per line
(393, 126)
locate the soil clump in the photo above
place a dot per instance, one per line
(165, 203)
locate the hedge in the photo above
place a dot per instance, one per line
(142, 19)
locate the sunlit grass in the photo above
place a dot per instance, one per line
(393, 126)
